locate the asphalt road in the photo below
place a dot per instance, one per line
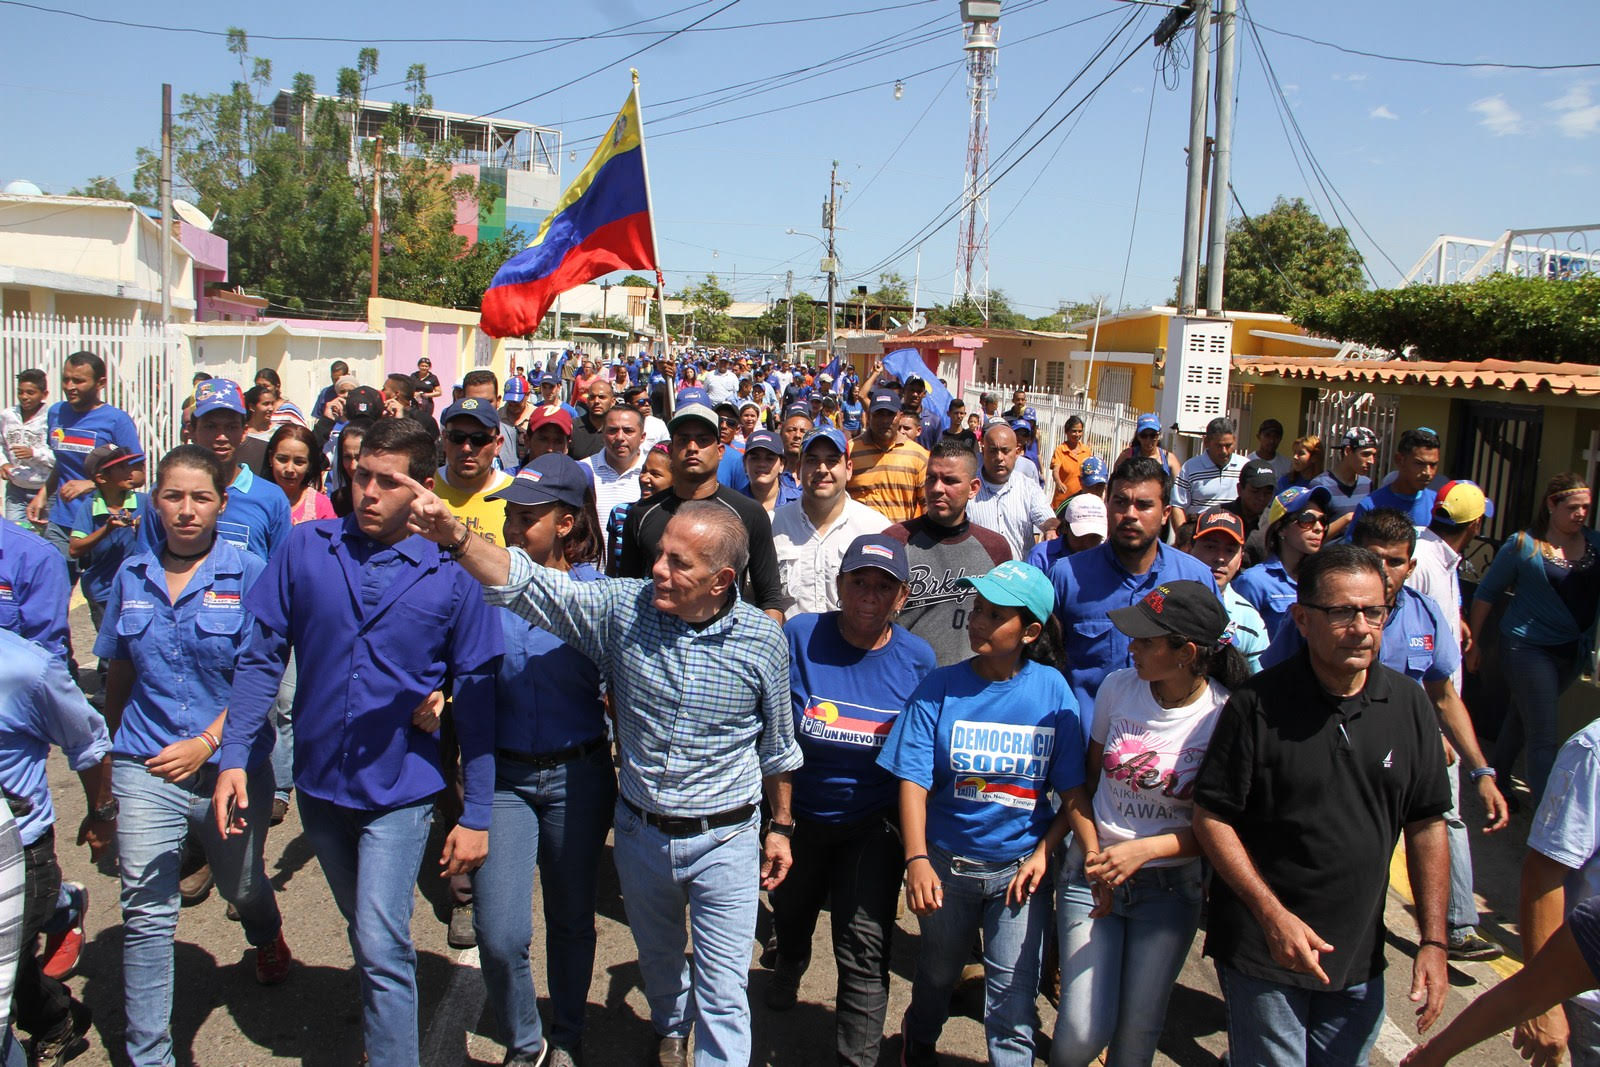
(221, 1017)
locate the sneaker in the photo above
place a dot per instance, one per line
(529, 1059)
(1467, 944)
(672, 1052)
(914, 1053)
(272, 961)
(280, 810)
(66, 1041)
(783, 988)
(195, 885)
(560, 1057)
(63, 948)
(462, 935)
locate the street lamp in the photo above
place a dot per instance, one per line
(830, 266)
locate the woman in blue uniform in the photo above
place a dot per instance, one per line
(174, 627)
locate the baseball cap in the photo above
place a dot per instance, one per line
(363, 402)
(1182, 608)
(1084, 514)
(1255, 474)
(1093, 472)
(1270, 424)
(552, 476)
(688, 412)
(1295, 499)
(223, 394)
(1219, 520)
(473, 408)
(797, 410)
(1147, 423)
(1021, 425)
(765, 440)
(832, 435)
(880, 551)
(550, 413)
(883, 400)
(1358, 437)
(1458, 503)
(547, 379)
(727, 410)
(516, 390)
(692, 396)
(1015, 584)
(103, 456)
(749, 402)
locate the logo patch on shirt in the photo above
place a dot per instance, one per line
(5, 591)
(984, 791)
(998, 763)
(1388, 760)
(843, 723)
(215, 599)
(1421, 642)
(65, 441)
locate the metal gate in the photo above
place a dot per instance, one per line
(1500, 451)
(1329, 412)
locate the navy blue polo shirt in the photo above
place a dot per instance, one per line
(547, 693)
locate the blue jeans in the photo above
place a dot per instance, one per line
(558, 818)
(1117, 972)
(716, 875)
(1463, 911)
(371, 860)
(283, 723)
(1275, 1025)
(1013, 943)
(156, 816)
(1542, 675)
(17, 501)
(1583, 1035)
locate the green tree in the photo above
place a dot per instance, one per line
(1284, 255)
(968, 311)
(891, 290)
(638, 280)
(107, 189)
(707, 304)
(1499, 317)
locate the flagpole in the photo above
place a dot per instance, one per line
(655, 245)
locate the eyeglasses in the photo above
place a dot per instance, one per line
(1343, 615)
(456, 437)
(641, 403)
(1307, 519)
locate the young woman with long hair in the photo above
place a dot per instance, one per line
(294, 464)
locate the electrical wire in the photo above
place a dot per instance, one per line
(1138, 189)
(1463, 64)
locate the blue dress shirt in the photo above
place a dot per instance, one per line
(547, 693)
(34, 589)
(364, 669)
(1270, 590)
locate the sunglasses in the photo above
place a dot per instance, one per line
(478, 440)
(1307, 519)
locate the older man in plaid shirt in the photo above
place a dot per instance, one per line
(700, 683)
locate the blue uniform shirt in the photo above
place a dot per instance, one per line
(1418, 508)
(1417, 641)
(1044, 554)
(119, 543)
(1088, 585)
(256, 518)
(1269, 589)
(363, 670)
(40, 706)
(34, 589)
(547, 693)
(183, 654)
(846, 700)
(73, 435)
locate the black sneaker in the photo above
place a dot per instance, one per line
(1467, 944)
(783, 987)
(66, 1041)
(914, 1053)
(461, 933)
(528, 1059)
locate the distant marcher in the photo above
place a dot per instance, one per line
(1066, 462)
(1346, 482)
(1305, 462)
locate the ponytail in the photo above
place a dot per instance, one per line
(1049, 649)
(1224, 664)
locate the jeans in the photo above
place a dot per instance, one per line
(17, 501)
(155, 818)
(716, 875)
(371, 860)
(1542, 675)
(39, 1003)
(558, 818)
(1117, 972)
(1463, 910)
(1275, 1025)
(1583, 1035)
(282, 721)
(1013, 943)
(855, 868)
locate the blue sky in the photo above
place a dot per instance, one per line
(1412, 151)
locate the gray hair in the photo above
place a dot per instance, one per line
(725, 541)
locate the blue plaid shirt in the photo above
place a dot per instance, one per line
(702, 715)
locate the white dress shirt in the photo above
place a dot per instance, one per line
(809, 559)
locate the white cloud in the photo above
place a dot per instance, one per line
(1353, 76)
(1577, 114)
(1499, 117)
(1382, 112)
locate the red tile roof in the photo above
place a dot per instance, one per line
(1575, 379)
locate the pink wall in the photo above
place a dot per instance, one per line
(402, 346)
(442, 339)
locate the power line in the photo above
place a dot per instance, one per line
(1138, 191)
(1467, 64)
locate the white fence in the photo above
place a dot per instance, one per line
(147, 367)
(1107, 428)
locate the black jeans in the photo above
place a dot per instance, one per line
(41, 1003)
(856, 868)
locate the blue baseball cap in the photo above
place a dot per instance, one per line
(473, 408)
(1147, 423)
(218, 394)
(880, 551)
(1093, 472)
(548, 379)
(797, 410)
(516, 390)
(1021, 425)
(884, 400)
(1016, 584)
(765, 440)
(830, 434)
(1296, 499)
(547, 478)
(694, 395)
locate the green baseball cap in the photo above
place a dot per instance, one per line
(1015, 584)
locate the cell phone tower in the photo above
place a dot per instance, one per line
(981, 25)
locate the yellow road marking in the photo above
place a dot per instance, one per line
(1400, 884)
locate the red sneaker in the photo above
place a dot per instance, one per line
(63, 948)
(272, 961)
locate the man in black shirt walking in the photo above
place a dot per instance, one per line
(1315, 769)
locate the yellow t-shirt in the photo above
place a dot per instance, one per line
(486, 518)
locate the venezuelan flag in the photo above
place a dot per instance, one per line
(600, 224)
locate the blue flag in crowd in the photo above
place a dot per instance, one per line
(905, 364)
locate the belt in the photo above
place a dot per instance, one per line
(545, 760)
(685, 826)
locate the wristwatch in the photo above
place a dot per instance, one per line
(108, 811)
(782, 829)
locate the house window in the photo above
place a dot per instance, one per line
(1116, 385)
(1055, 376)
(1030, 371)
(994, 368)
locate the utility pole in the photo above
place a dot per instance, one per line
(377, 204)
(166, 207)
(788, 313)
(830, 212)
(1222, 159)
(1188, 278)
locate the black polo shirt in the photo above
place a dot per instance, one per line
(1318, 789)
(640, 542)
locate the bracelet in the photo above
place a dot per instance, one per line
(1485, 772)
(1429, 942)
(918, 856)
(459, 549)
(205, 738)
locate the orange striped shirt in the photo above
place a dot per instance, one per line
(889, 480)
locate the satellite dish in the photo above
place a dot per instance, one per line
(192, 215)
(919, 321)
(22, 187)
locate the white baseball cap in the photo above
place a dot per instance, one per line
(1085, 514)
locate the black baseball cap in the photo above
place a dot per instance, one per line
(1256, 474)
(363, 402)
(1183, 609)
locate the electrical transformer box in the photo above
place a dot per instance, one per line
(1199, 358)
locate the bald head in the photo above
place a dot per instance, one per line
(1000, 454)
